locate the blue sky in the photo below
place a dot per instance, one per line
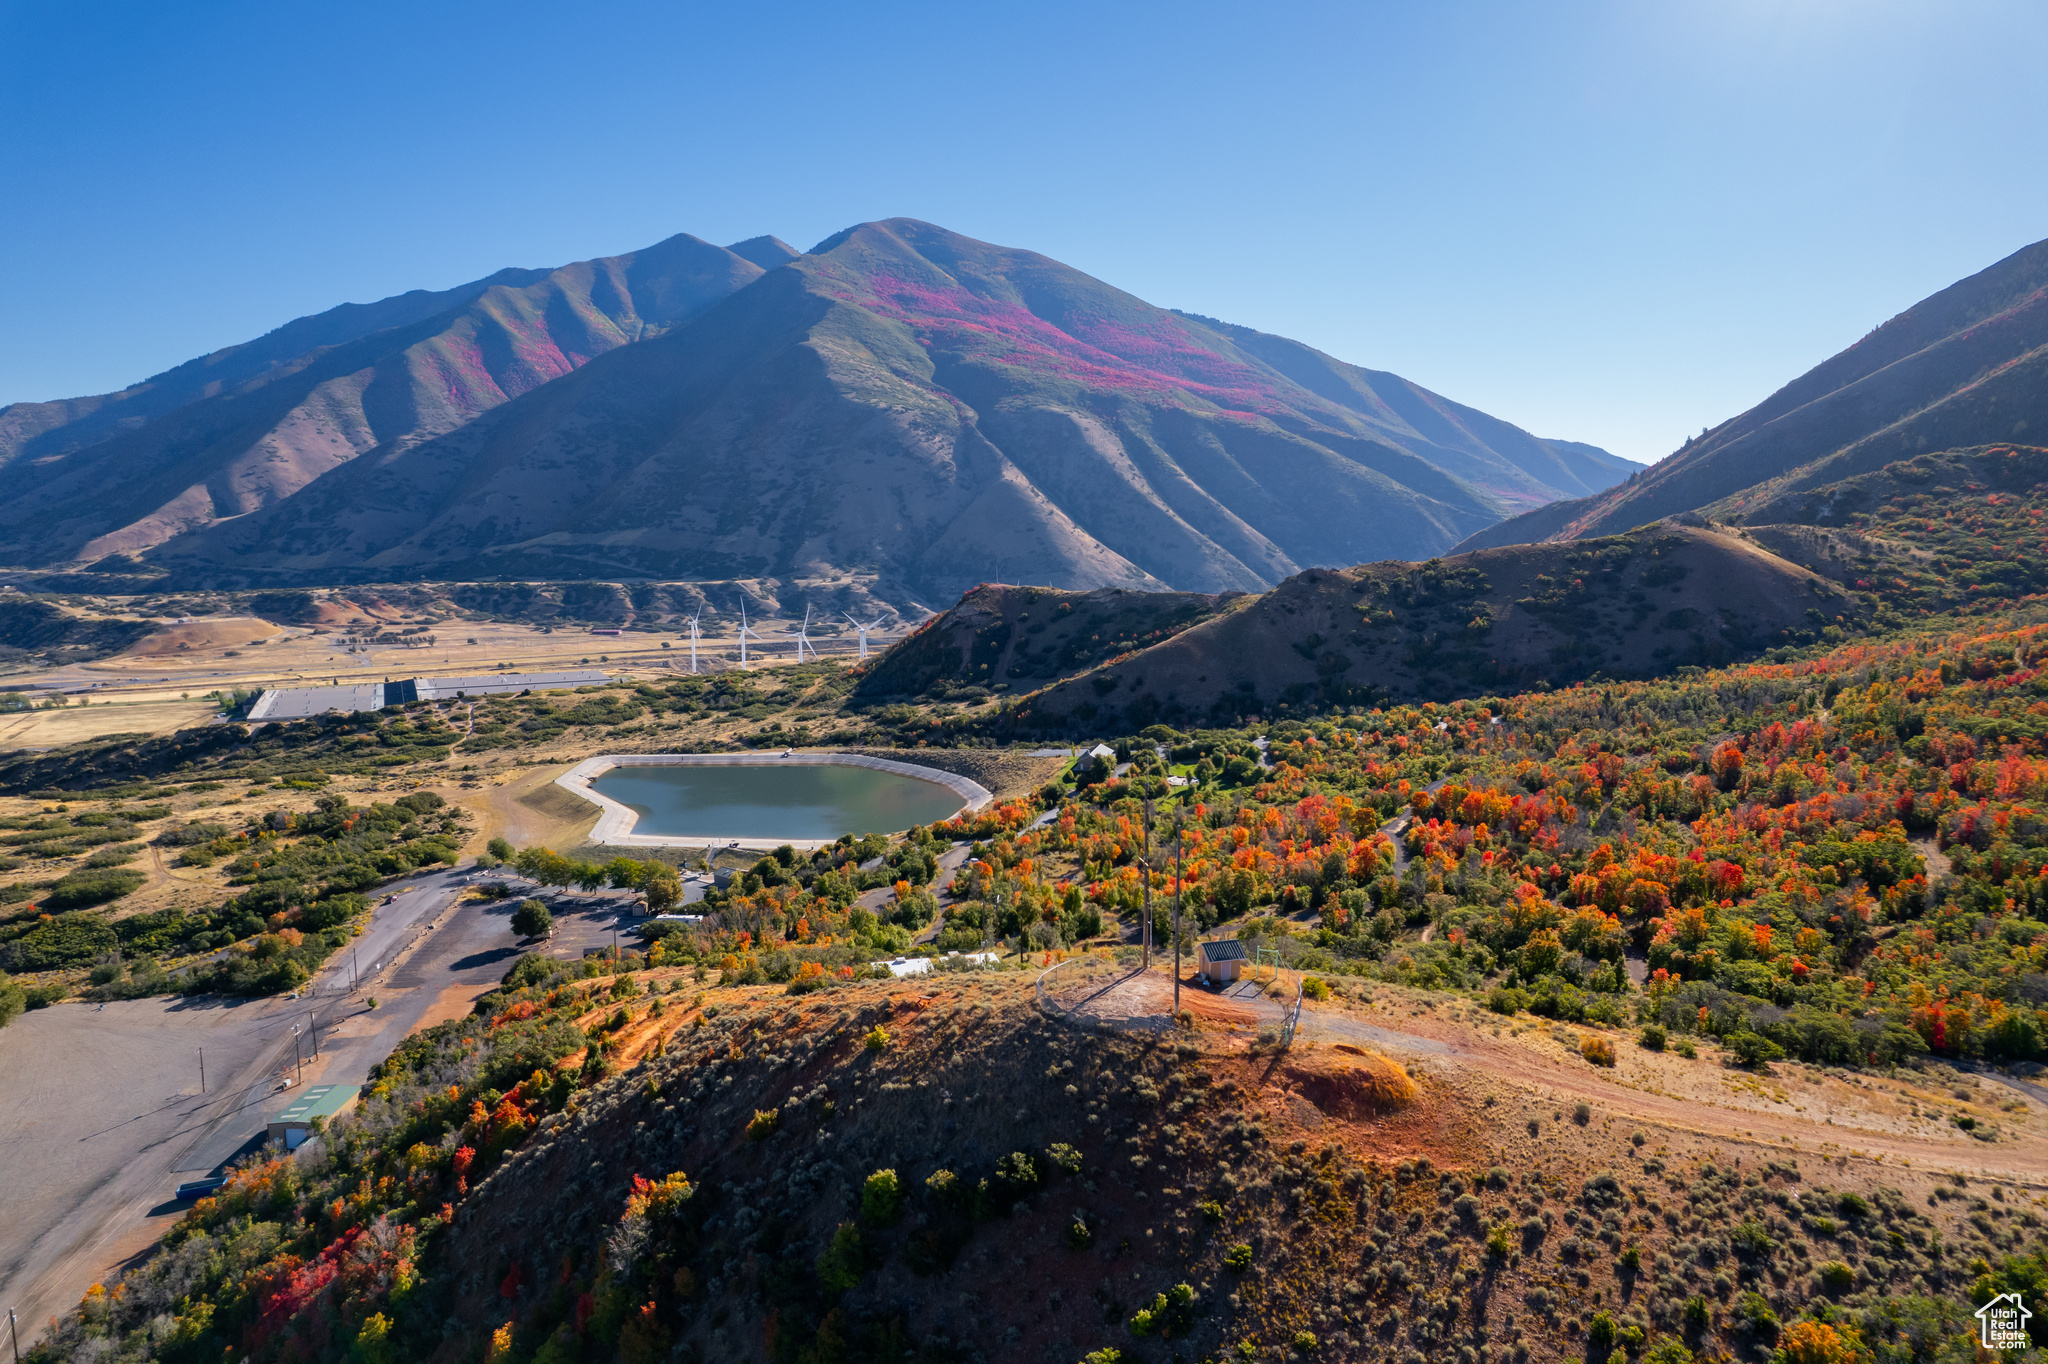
(1613, 222)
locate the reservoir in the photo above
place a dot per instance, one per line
(794, 801)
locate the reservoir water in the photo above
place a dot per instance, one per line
(795, 800)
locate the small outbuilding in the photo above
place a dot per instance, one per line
(1222, 959)
(309, 1112)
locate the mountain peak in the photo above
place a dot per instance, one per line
(766, 251)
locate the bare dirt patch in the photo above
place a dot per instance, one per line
(202, 635)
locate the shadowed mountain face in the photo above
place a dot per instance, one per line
(1967, 366)
(902, 403)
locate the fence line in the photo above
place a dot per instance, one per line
(1044, 1004)
(1287, 1029)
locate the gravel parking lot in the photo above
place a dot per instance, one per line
(101, 1114)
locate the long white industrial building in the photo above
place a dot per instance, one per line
(300, 703)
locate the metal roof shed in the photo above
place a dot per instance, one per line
(1221, 959)
(309, 1111)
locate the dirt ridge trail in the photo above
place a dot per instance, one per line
(1838, 1114)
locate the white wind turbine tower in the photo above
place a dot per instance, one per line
(693, 637)
(863, 629)
(745, 631)
(803, 638)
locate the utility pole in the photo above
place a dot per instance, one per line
(1179, 892)
(298, 1061)
(14, 1335)
(202, 1070)
(313, 1024)
(1145, 875)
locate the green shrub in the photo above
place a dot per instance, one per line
(96, 887)
(764, 1123)
(1064, 1156)
(841, 1265)
(1836, 1277)
(1238, 1257)
(1653, 1038)
(1755, 1316)
(532, 919)
(65, 942)
(1753, 1049)
(877, 1039)
(881, 1198)
(531, 969)
(1168, 1315)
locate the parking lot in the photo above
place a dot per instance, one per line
(101, 1111)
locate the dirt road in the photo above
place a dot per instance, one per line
(1903, 1119)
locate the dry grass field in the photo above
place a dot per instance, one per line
(75, 724)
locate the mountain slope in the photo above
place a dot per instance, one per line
(1493, 620)
(933, 410)
(263, 423)
(1966, 366)
(999, 637)
(41, 430)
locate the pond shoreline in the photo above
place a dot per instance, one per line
(615, 825)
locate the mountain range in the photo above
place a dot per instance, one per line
(1967, 366)
(900, 404)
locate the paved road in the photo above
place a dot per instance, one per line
(101, 1113)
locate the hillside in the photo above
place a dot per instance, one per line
(249, 427)
(1966, 366)
(902, 402)
(1490, 621)
(1961, 530)
(1002, 638)
(733, 1174)
(42, 430)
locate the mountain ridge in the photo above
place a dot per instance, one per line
(1965, 366)
(902, 401)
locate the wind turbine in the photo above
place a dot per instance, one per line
(693, 636)
(863, 629)
(803, 638)
(745, 631)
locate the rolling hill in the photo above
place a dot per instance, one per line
(901, 402)
(1967, 366)
(1499, 620)
(1002, 638)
